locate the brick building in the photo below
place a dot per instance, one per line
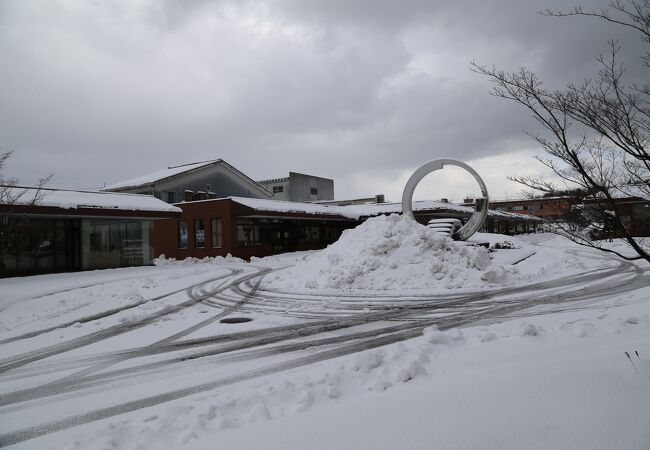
(246, 227)
(69, 230)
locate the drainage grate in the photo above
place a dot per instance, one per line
(235, 320)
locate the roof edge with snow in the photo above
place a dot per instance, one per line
(179, 170)
(356, 212)
(32, 200)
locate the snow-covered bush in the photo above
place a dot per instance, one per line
(162, 260)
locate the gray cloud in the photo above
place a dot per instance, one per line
(102, 91)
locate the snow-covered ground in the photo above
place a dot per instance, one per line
(532, 356)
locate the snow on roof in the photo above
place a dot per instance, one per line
(158, 175)
(374, 209)
(259, 204)
(67, 199)
(357, 211)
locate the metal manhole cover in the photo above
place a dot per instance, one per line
(235, 320)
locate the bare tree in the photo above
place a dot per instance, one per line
(597, 133)
(12, 195)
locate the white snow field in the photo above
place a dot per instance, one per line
(524, 346)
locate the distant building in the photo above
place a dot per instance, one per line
(634, 209)
(546, 208)
(77, 230)
(299, 187)
(195, 181)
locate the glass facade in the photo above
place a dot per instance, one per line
(37, 245)
(252, 232)
(284, 235)
(116, 243)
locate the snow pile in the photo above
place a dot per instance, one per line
(162, 260)
(385, 253)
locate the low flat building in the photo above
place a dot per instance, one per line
(546, 208)
(65, 230)
(634, 210)
(246, 227)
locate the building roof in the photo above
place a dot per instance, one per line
(86, 200)
(356, 212)
(174, 171)
(274, 180)
(281, 206)
(529, 200)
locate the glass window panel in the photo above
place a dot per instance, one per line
(26, 252)
(59, 249)
(183, 234)
(245, 233)
(263, 234)
(132, 246)
(216, 233)
(45, 250)
(199, 233)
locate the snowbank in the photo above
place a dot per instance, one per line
(162, 260)
(390, 252)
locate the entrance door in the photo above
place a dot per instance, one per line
(280, 237)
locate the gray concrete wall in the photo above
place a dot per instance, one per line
(300, 186)
(284, 195)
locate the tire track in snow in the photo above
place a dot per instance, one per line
(35, 355)
(366, 341)
(479, 309)
(354, 347)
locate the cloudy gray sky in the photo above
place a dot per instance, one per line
(360, 91)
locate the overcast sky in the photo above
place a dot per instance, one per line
(359, 91)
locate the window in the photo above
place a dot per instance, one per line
(253, 232)
(182, 234)
(245, 233)
(199, 233)
(309, 234)
(277, 189)
(314, 191)
(169, 196)
(518, 208)
(215, 226)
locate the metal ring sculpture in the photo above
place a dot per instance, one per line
(481, 206)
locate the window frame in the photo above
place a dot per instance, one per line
(180, 235)
(196, 233)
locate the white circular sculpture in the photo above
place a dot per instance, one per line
(481, 206)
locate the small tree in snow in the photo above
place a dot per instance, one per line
(10, 196)
(597, 132)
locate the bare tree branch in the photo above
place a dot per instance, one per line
(597, 132)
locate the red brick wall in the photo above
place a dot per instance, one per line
(166, 231)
